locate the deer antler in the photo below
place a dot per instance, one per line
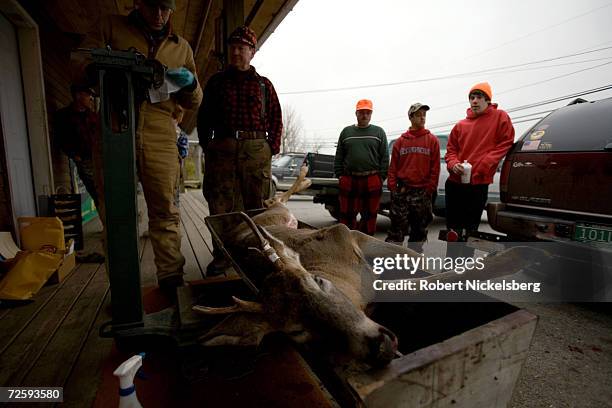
(239, 306)
(300, 184)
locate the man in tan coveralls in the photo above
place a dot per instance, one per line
(148, 30)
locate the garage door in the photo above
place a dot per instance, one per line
(13, 121)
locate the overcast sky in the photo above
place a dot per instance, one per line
(323, 45)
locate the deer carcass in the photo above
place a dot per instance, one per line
(313, 288)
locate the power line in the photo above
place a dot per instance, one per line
(595, 46)
(539, 31)
(531, 114)
(560, 98)
(438, 78)
(551, 66)
(525, 118)
(536, 104)
(513, 89)
(553, 78)
(524, 107)
(499, 93)
(329, 144)
(514, 121)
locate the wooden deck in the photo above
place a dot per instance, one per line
(54, 340)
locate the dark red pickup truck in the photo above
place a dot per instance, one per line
(556, 181)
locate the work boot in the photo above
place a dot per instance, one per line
(169, 284)
(218, 266)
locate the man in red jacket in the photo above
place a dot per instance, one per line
(413, 179)
(482, 139)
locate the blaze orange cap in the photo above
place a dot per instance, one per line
(364, 104)
(483, 87)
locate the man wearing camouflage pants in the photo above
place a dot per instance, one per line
(413, 179)
(239, 126)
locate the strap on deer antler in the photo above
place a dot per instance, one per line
(266, 248)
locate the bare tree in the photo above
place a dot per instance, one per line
(315, 145)
(292, 139)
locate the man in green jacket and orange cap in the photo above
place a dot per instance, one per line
(361, 164)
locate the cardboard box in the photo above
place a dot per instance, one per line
(66, 266)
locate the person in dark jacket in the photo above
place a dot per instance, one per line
(361, 163)
(413, 180)
(75, 130)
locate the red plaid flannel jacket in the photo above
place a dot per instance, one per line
(233, 101)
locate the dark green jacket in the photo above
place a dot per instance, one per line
(362, 149)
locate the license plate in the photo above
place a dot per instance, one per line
(592, 233)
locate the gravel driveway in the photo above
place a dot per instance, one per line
(570, 359)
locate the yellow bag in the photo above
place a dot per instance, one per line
(41, 233)
(30, 271)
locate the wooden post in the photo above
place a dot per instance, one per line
(234, 15)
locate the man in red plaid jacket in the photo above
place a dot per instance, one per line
(239, 127)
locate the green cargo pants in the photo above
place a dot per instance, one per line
(237, 174)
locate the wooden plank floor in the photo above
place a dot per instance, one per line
(54, 341)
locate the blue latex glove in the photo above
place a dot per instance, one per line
(183, 145)
(180, 76)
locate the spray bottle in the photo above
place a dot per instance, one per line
(467, 172)
(126, 373)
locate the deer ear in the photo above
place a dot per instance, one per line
(276, 244)
(241, 329)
